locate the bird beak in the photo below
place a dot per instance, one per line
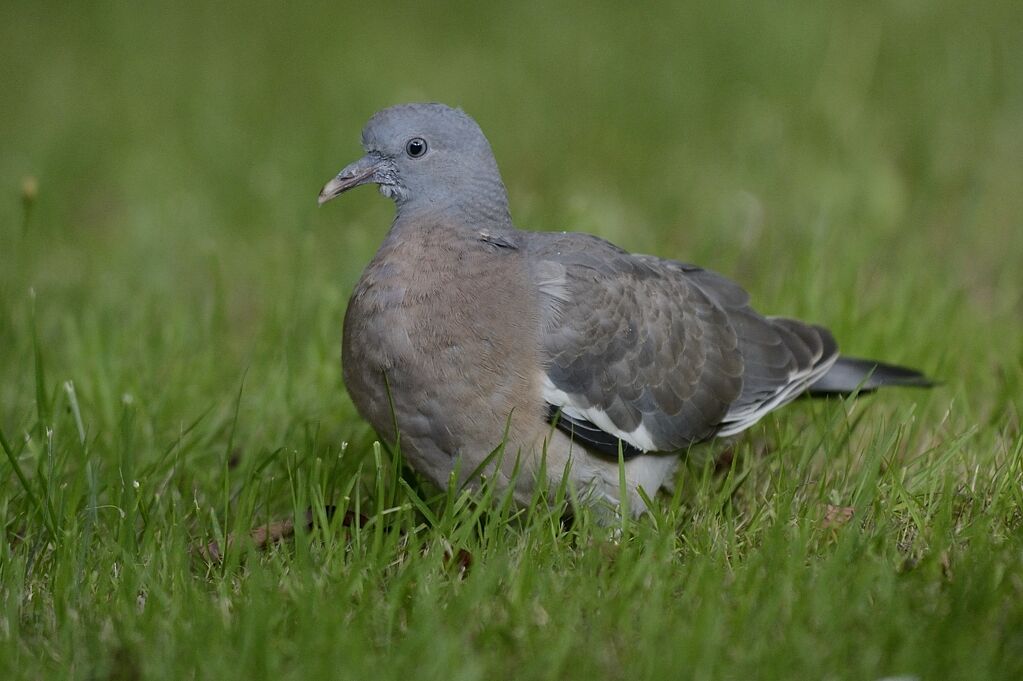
(362, 171)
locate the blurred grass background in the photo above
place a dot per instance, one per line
(858, 164)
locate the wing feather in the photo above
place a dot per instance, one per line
(657, 354)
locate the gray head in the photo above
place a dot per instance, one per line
(428, 157)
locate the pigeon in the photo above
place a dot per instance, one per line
(539, 358)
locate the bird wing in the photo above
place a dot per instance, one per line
(655, 355)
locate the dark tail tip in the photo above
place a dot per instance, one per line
(852, 374)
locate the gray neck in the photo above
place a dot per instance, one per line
(474, 215)
(478, 201)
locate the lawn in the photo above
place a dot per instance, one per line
(171, 302)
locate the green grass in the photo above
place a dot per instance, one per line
(170, 317)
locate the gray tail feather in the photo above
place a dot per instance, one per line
(852, 374)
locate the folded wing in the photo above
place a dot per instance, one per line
(654, 355)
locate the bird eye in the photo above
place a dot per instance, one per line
(416, 147)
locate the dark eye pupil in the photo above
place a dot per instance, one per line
(416, 147)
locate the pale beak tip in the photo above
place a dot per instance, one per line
(330, 191)
(354, 174)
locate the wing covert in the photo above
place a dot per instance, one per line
(657, 353)
(631, 347)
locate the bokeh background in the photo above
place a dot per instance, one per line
(857, 164)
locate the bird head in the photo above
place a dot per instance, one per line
(426, 156)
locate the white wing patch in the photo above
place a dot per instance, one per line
(738, 420)
(639, 438)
